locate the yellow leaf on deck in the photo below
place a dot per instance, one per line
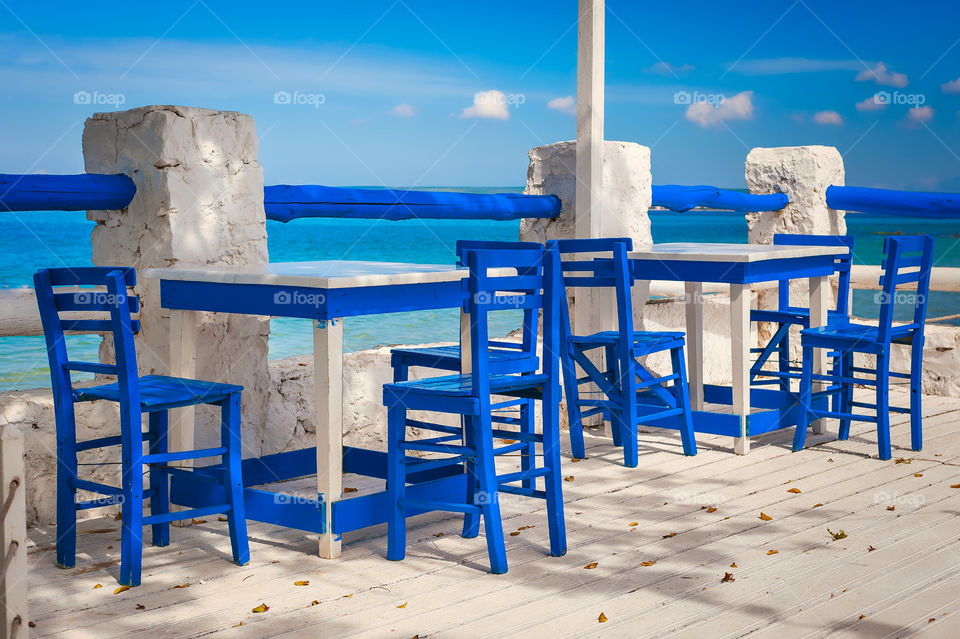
(795, 491)
(772, 552)
(765, 517)
(817, 505)
(314, 603)
(182, 586)
(712, 509)
(574, 459)
(954, 485)
(569, 478)
(222, 518)
(591, 565)
(733, 565)
(121, 589)
(403, 605)
(199, 521)
(301, 583)
(633, 523)
(648, 563)
(669, 535)
(509, 441)
(918, 474)
(237, 625)
(98, 586)
(891, 507)
(602, 618)
(261, 608)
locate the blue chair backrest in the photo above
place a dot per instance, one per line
(907, 261)
(88, 290)
(530, 318)
(534, 287)
(841, 265)
(608, 270)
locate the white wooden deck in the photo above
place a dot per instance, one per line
(895, 575)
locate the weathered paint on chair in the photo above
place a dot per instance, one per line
(151, 394)
(907, 261)
(787, 316)
(630, 394)
(471, 446)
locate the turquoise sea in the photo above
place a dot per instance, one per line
(39, 239)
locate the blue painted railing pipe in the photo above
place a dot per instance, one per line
(885, 202)
(684, 198)
(285, 203)
(88, 191)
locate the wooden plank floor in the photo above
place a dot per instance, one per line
(662, 535)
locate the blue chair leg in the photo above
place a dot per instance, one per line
(783, 355)
(553, 481)
(916, 396)
(159, 480)
(529, 452)
(396, 483)
(846, 392)
(683, 402)
(625, 419)
(471, 520)
(490, 493)
(613, 377)
(806, 390)
(66, 492)
(131, 535)
(230, 435)
(574, 422)
(883, 405)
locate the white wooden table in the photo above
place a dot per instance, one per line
(324, 292)
(738, 265)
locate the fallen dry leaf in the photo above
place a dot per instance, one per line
(314, 603)
(221, 518)
(403, 605)
(602, 618)
(773, 552)
(633, 523)
(515, 533)
(862, 616)
(199, 521)
(439, 534)
(712, 509)
(733, 565)
(870, 548)
(141, 607)
(837, 535)
(121, 589)
(891, 507)
(795, 491)
(349, 489)
(648, 563)
(901, 460)
(918, 474)
(817, 505)
(303, 582)
(526, 527)
(575, 460)
(98, 586)
(261, 608)
(765, 517)
(509, 441)
(668, 536)
(591, 565)
(569, 478)
(182, 586)
(727, 576)
(954, 485)
(237, 625)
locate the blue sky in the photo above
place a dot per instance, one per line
(386, 92)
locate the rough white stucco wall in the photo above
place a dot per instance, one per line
(199, 201)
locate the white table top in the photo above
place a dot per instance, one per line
(705, 252)
(322, 274)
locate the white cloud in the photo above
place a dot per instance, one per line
(779, 66)
(739, 107)
(490, 104)
(871, 104)
(565, 105)
(882, 75)
(404, 111)
(665, 68)
(827, 117)
(919, 114)
(951, 87)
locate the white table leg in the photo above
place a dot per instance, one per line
(695, 337)
(328, 420)
(740, 351)
(819, 304)
(183, 363)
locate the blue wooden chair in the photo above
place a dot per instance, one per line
(907, 260)
(629, 393)
(505, 357)
(153, 395)
(787, 316)
(471, 446)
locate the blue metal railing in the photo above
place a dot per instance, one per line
(684, 198)
(886, 202)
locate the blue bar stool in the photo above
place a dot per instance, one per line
(629, 393)
(152, 395)
(470, 448)
(907, 260)
(787, 316)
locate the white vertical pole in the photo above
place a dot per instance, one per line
(593, 309)
(13, 535)
(819, 304)
(328, 421)
(183, 363)
(694, 308)
(740, 296)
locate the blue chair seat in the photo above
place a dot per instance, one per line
(642, 340)
(794, 315)
(462, 385)
(447, 358)
(158, 390)
(859, 337)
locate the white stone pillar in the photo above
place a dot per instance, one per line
(199, 202)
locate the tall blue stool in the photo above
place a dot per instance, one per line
(470, 447)
(787, 316)
(153, 395)
(505, 357)
(628, 393)
(907, 260)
